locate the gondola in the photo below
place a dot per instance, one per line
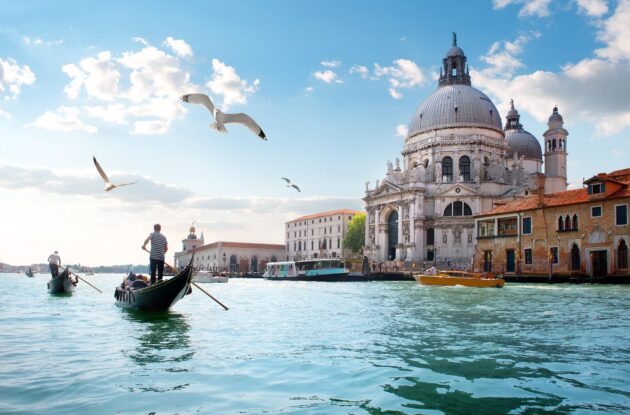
(29, 273)
(62, 283)
(157, 297)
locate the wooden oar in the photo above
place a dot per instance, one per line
(85, 281)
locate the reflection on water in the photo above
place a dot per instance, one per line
(163, 344)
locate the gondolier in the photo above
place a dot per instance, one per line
(159, 247)
(54, 262)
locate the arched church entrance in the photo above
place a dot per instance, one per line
(392, 234)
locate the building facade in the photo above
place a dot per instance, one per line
(457, 161)
(575, 232)
(319, 235)
(223, 256)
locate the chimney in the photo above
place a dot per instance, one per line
(540, 185)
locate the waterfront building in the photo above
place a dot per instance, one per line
(319, 235)
(457, 161)
(227, 256)
(574, 232)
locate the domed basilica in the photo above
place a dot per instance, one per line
(458, 161)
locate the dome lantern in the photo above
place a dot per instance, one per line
(454, 70)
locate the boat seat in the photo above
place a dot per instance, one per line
(139, 284)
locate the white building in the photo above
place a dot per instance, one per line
(458, 161)
(227, 256)
(319, 235)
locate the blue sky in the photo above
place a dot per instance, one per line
(333, 85)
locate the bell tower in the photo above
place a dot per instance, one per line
(555, 154)
(191, 240)
(454, 70)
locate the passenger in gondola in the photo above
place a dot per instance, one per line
(54, 262)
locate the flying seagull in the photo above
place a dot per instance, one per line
(289, 184)
(220, 118)
(108, 185)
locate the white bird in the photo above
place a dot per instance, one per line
(108, 185)
(289, 184)
(221, 118)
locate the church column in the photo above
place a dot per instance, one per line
(401, 238)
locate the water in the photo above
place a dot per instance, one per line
(317, 348)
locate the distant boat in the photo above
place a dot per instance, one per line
(209, 277)
(62, 283)
(326, 269)
(466, 279)
(157, 297)
(29, 273)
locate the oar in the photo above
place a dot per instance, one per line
(85, 281)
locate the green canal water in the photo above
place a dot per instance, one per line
(317, 348)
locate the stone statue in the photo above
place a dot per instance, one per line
(477, 165)
(367, 186)
(377, 185)
(371, 235)
(390, 167)
(406, 232)
(438, 172)
(397, 164)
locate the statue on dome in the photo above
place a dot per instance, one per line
(397, 164)
(367, 186)
(390, 167)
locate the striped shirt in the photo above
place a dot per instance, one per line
(158, 245)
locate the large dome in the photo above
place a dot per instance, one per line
(524, 144)
(455, 105)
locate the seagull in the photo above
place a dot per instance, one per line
(289, 184)
(108, 185)
(222, 118)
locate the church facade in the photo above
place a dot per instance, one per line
(457, 161)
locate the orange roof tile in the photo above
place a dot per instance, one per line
(568, 197)
(329, 213)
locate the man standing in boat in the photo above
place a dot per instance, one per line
(159, 246)
(54, 262)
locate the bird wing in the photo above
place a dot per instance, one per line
(126, 184)
(201, 99)
(247, 121)
(296, 188)
(286, 180)
(100, 170)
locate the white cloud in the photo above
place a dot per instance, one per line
(179, 46)
(616, 152)
(138, 87)
(592, 90)
(363, 71)
(309, 89)
(327, 76)
(404, 74)
(227, 83)
(140, 40)
(502, 56)
(40, 42)
(63, 119)
(595, 8)
(402, 130)
(539, 8)
(331, 63)
(12, 77)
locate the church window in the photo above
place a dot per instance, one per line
(458, 209)
(622, 255)
(464, 168)
(447, 169)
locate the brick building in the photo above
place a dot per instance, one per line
(575, 232)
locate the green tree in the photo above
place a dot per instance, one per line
(355, 238)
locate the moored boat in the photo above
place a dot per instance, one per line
(209, 277)
(466, 279)
(62, 283)
(328, 269)
(161, 296)
(29, 273)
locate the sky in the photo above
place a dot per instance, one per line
(332, 83)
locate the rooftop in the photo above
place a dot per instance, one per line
(329, 213)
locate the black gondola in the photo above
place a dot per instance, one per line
(29, 273)
(62, 283)
(157, 297)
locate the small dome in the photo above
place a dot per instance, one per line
(555, 116)
(524, 144)
(455, 106)
(455, 51)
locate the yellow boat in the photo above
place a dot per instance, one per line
(467, 279)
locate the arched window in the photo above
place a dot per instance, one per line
(575, 222)
(575, 258)
(553, 144)
(447, 169)
(560, 223)
(458, 209)
(464, 168)
(567, 223)
(622, 255)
